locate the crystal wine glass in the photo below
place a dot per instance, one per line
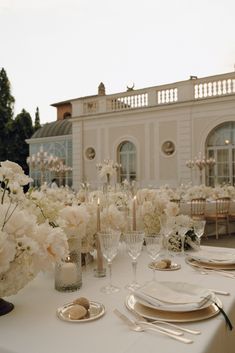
(199, 227)
(153, 247)
(166, 230)
(109, 242)
(134, 242)
(182, 233)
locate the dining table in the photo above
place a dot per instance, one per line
(33, 326)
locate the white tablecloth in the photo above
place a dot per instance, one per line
(32, 327)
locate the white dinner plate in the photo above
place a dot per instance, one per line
(154, 314)
(209, 265)
(214, 257)
(174, 296)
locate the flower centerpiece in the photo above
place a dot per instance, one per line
(152, 206)
(26, 247)
(107, 169)
(177, 224)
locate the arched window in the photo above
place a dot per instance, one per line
(127, 159)
(221, 146)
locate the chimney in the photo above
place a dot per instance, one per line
(101, 89)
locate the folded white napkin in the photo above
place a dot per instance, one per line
(213, 256)
(173, 296)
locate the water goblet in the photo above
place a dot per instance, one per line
(166, 231)
(153, 247)
(199, 227)
(134, 242)
(109, 242)
(182, 233)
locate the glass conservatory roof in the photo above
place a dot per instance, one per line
(57, 128)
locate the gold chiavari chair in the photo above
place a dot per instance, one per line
(198, 206)
(221, 215)
(177, 201)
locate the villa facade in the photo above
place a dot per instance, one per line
(152, 132)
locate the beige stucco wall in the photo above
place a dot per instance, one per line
(167, 164)
(187, 125)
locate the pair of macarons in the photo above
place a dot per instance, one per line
(80, 308)
(163, 264)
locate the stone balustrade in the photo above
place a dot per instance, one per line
(194, 89)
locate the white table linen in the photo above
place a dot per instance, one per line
(32, 327)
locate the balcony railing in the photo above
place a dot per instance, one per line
(190, 90)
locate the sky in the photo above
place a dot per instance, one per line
(55, 50)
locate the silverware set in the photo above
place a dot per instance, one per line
(183, 329)
(141, 324)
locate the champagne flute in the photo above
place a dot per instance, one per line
(134, 242)
(109, 242)
(153, 247)
(199, 227)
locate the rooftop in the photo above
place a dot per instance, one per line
(56, 128)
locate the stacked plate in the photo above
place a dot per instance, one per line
(212, 259)
(173, 301)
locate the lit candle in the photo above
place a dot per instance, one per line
(69, 274)
(134, 213)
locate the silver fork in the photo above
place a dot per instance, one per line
(139, 328)
(184, 329)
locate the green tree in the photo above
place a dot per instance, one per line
(37, 124)
(6, 114)
(21, 128)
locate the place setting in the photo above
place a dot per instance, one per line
(173, 302)
(212, 260)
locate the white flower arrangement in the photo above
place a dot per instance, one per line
(177, 224)
(112, 218)
(26, 247)
(107, 169)
(151, 207)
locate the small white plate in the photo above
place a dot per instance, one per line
(172, 267)
(95, 311)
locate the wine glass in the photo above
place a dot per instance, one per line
(153, 247)
(166, 230)
(134, 242)
(182, 233)
(199, 227)
(109, 242)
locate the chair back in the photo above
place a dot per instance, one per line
(198, 208)
(177, 201)
(222, 206)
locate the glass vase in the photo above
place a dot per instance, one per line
(68, 272)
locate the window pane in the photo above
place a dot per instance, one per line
(220, 145)
(127, 158)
